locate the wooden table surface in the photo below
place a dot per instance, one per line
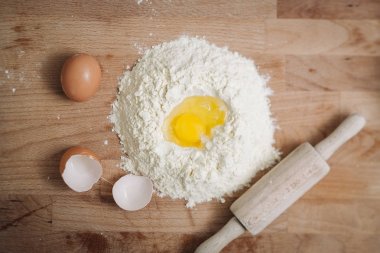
(324, 61)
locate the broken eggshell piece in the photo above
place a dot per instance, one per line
(80, 169)
(132, 192)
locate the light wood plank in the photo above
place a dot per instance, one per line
(336, 73)
(305, 243)
(310, 117)
(325, 9)
(348, 182)
(365, 149)
(127, 35)
(18, 212)
(31, 177)
(161, 215)
(272, 66)
(346, 217)
(174, 242)
(335, 37)
(149, 9)
(99, 242)
(72, 213)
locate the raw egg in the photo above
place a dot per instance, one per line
(132, 192)
(80, 168)
(80, 77)
(194, 118)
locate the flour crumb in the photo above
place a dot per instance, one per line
(164, 76)
(139, 2)
(20, 53)
(105, 142)
(7, 74)
(140, 48)
(13, 90)
(58, 117)
(150, 34)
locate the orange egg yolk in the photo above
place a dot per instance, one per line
(194, 118)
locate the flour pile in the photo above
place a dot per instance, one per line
(166, 75)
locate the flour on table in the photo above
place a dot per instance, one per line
(164, 76)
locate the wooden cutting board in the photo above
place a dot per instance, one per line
(323, 58)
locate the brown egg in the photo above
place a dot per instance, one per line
(80, 77)
(80, 168)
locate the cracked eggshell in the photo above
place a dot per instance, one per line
(132, 192)
(80, 168)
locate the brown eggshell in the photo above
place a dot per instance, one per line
(77, 150)
(80, 77)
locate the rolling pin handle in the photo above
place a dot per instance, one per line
(345, 131)
(225, 235)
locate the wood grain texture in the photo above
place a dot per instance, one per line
(333, 73)
(311, 243)
(311, 37)
(325, 9)
(322, 57)
(111, 11)
(304, 217)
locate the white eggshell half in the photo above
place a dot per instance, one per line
(81, 172)
(132, 192)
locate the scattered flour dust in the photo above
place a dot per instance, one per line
(164, 76)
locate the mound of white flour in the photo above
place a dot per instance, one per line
(162, 78)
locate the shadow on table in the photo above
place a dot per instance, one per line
(51, 71)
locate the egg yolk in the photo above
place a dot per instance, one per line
(194, 118)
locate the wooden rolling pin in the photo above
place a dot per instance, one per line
(282, 186)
